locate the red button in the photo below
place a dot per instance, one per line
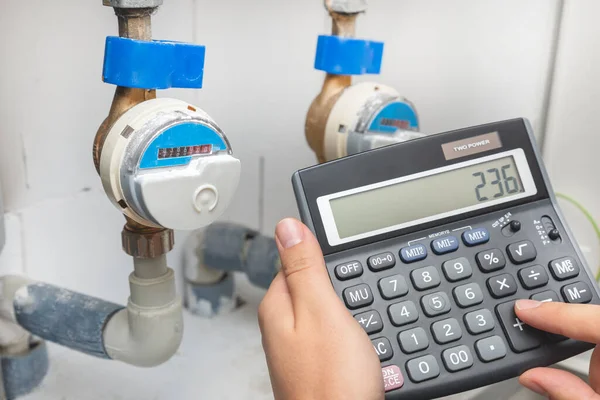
(392, 377)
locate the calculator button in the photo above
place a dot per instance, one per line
(446, 331)
(435, 304)
(479, 321)
(457, 269)
(370, 321)
(422, 368)
(383, 348)
(578, 292)
(393, 287)
(490, 349)
(521, 336)
(425, 278)
(468, 295)
(473, 237)
(392, 378)
(382, 261)
(413, 340)
(564, 268)
(413, 253)
(444, 245)
(521, 252)
(490, 260)
(546, 296)
(533, 277)
(358, 296)
(403, 313)
(502, 285)
(457, 358)
(348, 270)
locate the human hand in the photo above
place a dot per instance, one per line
(315, 349)
(577, 321)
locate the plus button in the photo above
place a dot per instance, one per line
(519, 324)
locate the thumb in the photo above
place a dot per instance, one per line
(304, 268)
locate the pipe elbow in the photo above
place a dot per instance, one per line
(144, 336)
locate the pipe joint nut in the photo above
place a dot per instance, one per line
(147, 245)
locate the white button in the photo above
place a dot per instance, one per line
(206, 197)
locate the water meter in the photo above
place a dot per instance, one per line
(166, 163)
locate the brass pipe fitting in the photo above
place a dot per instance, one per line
(333, 86)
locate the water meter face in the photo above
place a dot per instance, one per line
(174, 167)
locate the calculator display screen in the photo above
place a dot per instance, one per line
(427, 196)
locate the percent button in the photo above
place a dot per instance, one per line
(490, 260)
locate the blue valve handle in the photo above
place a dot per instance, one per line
(153, 65)
(348, 56)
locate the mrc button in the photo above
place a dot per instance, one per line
(413, 253)
(443, 245)
(564, 268)
(348, 270)
(476, 236)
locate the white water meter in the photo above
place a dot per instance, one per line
(366, 116)
(167, 164)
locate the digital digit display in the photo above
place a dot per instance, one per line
(425, 196)
(184, 151)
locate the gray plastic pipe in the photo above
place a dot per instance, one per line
(146, 333)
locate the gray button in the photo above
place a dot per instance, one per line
(502, 285)
(490, 260)
(348, 270)
(521, 252)
(413, 340)
(383, 348)
(393, 287)
(521, 337)
(533, 277)
(457, 269)
(468, 295)
(479, 321)
(490, 349)
(382, 261)
(457, 358)
(436, 303)
(578, 292)
(446, 331)
(422, 368)
(403, 313)
(564, 268)
(358, 296)
(370, 321)
(546, 296)
(425, 278)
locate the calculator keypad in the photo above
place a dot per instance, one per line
(444, 306)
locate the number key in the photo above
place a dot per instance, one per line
(393, 287)
(479, 321)
(435, 304)
(422, 368)
(457, 358)
(403, 313)
(468, 295)
(425, 278)
(446, 331)
(413, 340)
(457, 269)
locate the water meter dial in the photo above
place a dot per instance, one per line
(167, 164)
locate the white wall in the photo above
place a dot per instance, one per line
(461, 62)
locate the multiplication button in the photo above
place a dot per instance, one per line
(490, 260)
(381, 261)
(502, 285)
(348, 270)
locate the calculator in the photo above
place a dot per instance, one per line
(430, 242)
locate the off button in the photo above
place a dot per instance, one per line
(348, 270)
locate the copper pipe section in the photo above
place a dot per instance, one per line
(333, 86)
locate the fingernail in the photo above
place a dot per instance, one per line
(536, 388)
(289, 232)
(528, 304)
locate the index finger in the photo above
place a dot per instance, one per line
(577, 321)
